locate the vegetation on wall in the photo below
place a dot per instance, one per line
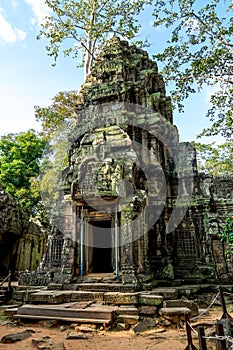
(227, 234)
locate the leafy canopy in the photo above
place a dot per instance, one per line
(215, 159)
(227, 234)
(61, 109)
(20, 155)
(199, 54)
(87, 23)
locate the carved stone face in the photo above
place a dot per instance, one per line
(104, 166)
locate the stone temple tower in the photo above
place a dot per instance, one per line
(134, 208)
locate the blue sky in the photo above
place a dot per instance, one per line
(28, 79)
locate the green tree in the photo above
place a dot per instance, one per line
(227, 234)
(215, 159)
(199, 54)
(61, 109)
(88, 23)
(20, 156)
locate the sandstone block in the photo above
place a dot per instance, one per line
(147, 310)
(12, 338)
(153, 300)
(182, 303)
(87, 296)
(121, 298)
(167, 293)
(142, 326)
(127, 319)
(175, 314)
(132, 311)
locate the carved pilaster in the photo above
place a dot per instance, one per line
(128, 273)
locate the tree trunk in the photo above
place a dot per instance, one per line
(88, 56)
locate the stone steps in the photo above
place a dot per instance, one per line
(63, 319)
(65, 296)
(4, 295)
(106, 287)
(109, 298)
(100, 314)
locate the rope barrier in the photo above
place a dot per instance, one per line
(220, 337)
(207, 309)
(194, 330)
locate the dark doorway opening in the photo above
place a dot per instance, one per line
(102, 247)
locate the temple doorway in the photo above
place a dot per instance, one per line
(102, 247)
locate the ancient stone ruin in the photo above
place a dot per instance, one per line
(22, 243)
(126, 220)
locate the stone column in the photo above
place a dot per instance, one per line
(128, 273)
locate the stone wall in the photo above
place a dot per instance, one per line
(218, 199)
(22, 243)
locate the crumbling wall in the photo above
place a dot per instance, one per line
(22, 243)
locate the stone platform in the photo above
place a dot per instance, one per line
(109, 307)
(72, 312)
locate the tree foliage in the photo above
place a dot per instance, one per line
(62, 108)
(215, 159)
(20, 155)
(227, 234)
(199, 54)
(87, 23)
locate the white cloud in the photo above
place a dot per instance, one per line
(9, 34)
(21, 35)
(40, 10)
(14, 4)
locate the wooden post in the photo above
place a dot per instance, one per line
(9, 281)
(81, 242)
(116, 244)
(190, 345)
(202, 340)
(221, 344)
(225, 314)
(222, 300)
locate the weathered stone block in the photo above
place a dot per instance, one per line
(87, 296)
(167, 293)
(12, 338)
(55, 298)
(147, 299)
(175, 314)
(121, 298)
(39, 297)
(182, 303)
(133, 311)
(144, 325)
(147, 310)
(55, 286)
(128, 319)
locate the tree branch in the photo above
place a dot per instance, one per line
(84, 46)
(187, 77)
(218, 37)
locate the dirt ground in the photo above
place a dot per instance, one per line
(169, 339)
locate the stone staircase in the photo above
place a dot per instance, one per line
(95, 307)
(5, 295)
(71, 312)
(98, 306)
